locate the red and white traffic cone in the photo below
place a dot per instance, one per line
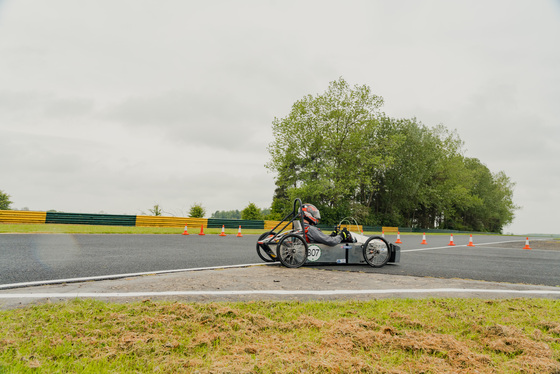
(398, 238)
(527, 244)
(383, 234)
(223, 231)
(186, 232)
(471, 244)
(451, 241)
(424, 239)
(239, 232)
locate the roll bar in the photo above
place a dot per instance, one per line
(295, 214)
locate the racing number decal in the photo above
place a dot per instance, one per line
(313, 253)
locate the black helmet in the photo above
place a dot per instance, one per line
(311, 214)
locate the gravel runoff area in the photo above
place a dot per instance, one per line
(267, 282)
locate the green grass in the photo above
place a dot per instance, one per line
(27, 228)
(400, 336)
(23, 228)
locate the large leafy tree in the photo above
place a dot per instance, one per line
(327, 148)
(338, 151)
(426, 178)
(4, 201)
(432, 184)
(492, 205)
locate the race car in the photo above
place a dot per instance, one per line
(294, 249)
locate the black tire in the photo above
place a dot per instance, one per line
(292, 251)
(263, 253)
(376, 251)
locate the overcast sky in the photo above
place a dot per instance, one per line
(114, 106)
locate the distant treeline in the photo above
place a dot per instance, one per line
(251, 212)
(227, 214)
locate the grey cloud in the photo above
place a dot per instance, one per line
(196, 119)
(35, 157)
(62, 108)
(34, 105)
(21, 102)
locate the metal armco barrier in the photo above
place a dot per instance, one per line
(22, 216)
(90, 219)
(159, 221)
(234, 223)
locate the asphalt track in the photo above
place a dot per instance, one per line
(44, 257)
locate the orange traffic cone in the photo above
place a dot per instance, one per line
(383, 234)
(527, 244)
(239, 232)
(424, 239)
(223, 232)
(471, 244)
(398, 238)
(451, 240)
(201, 230)
(186, 232)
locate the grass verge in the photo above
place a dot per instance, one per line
(387, 336)
(30, 228)
(25, 228)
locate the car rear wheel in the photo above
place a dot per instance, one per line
(376, 251)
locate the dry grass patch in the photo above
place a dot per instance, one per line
(386, 336)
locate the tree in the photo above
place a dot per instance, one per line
(156, 210)
(418, 189)
(197, 211)
(492, 206)
(251, 212)
(281, 204)
(339, 152)
(326, 150)
(4, 201)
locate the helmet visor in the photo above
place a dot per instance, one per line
(316, 213)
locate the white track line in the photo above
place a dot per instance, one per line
(462, 245)
(274, 292)
(117, 276)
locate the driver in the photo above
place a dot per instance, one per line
(311, 217)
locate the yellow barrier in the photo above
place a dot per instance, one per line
(391, 229)
(269, 225)
(354, 228)
(159, 221)
(22, 216)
